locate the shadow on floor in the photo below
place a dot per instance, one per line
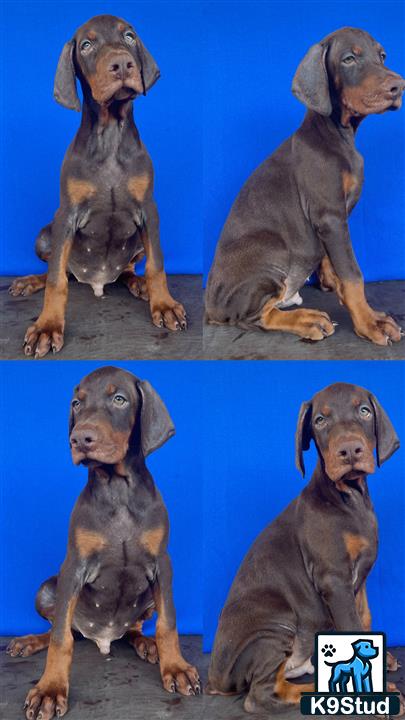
(115, 327)
(231, 343)
(123, 687)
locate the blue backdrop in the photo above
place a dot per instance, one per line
(39, 483)
(36, 130)
(252, 50)
(251, 409)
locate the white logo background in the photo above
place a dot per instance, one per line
(344, 652)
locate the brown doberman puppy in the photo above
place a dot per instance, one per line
(306, 572)
(291, 216)
(107, 219)
(117, 571)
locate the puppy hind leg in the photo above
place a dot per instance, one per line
(27, 645)
(30, 284)
(274, 692)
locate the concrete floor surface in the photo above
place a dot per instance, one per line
(115, 327)
(123, 687)
(232, 343)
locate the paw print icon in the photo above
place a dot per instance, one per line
(328, 650)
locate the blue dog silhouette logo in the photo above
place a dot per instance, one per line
(358, 669)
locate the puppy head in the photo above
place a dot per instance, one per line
(110, 60)
(346, 71)
(347, 424)
(113, 415)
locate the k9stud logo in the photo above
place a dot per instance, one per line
(350, 676)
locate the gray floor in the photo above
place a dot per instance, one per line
(125, 688)
(230, 343)
(116, 327)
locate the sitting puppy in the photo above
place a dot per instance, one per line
(291, 216)
(117, 571)
(307, 571)
(107, 219)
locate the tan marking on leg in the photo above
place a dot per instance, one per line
(151, 540)
(28, 644)
(138, 186)
(328, 279)
(311, 324)
(145, 647)
(355, 544)
(80, 190)
(28, 284)
(363, 608)
(349, 182)
(175, 671)
(392, 662)
(135, 284)
(368, 323)
(287, 691)
(88, 542)
(56, 293)
(59, 658)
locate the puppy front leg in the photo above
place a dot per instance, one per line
(49, 697)
(177, 673)
(370, 324)
(47, 332)
(165, 310)
(338, 595)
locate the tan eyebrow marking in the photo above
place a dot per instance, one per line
(81, 394)
(111, 389)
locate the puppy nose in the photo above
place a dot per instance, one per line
(83, 438)
(121, 66)
(396, 86)
(350, 451)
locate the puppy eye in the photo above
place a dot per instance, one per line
(130, 38)
(120, 400)
(349, 60)
(85, 46)
(383, 56)
(75, 404)
(365, 411)
(319, 420)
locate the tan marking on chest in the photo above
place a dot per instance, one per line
(350, 182)
(355, 544)
(138, 185)
(80, 190)
(152, 540)
(89, 541)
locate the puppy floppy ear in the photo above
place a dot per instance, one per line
(64, 89)
(311, 82)
(156, 425)
(150, 72)
(387, 441)
(303, 435)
